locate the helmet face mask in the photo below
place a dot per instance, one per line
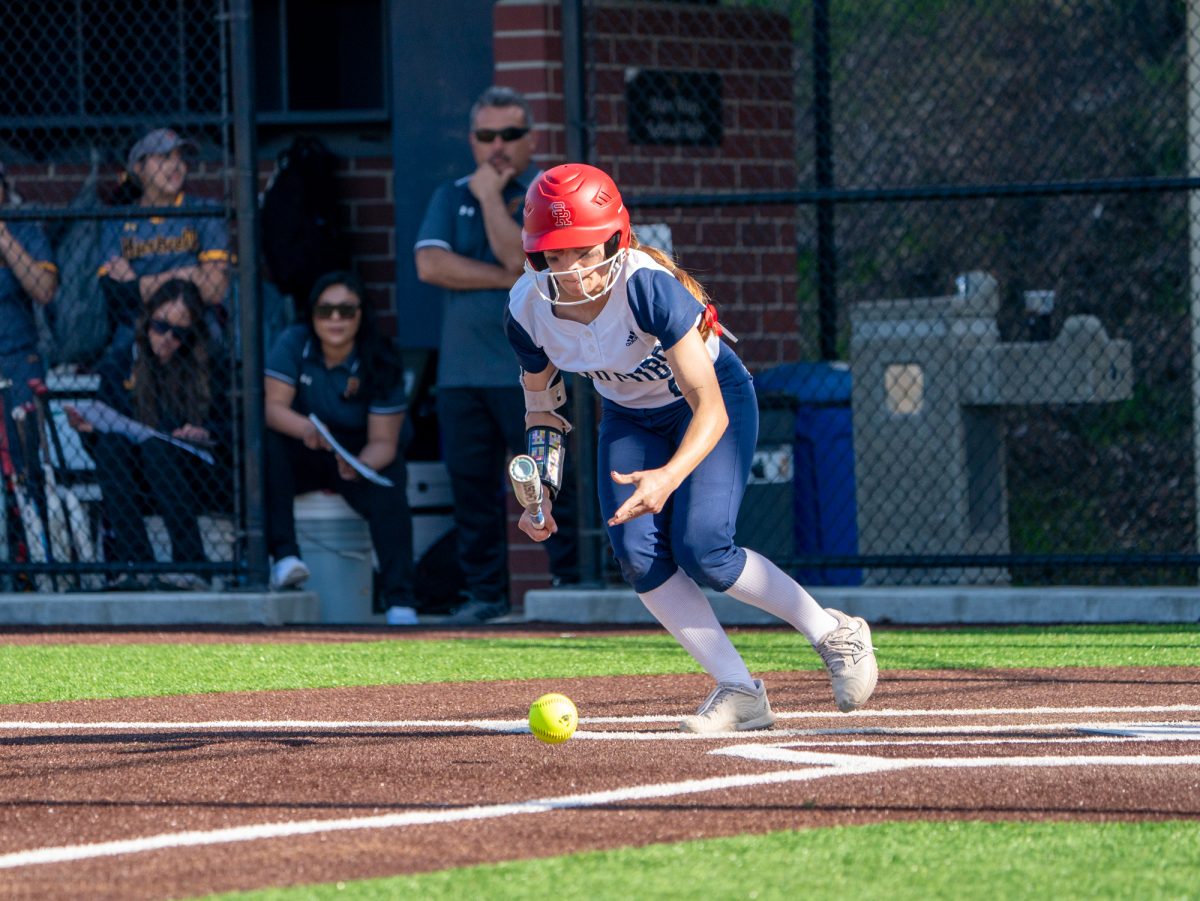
(549, 285)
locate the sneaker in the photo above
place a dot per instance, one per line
(290, 572)
(732, 707)
(848, 653)
(476, 612)
(401, 616)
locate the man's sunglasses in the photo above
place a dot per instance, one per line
(487, 135)
(181, 333)
(338, 310)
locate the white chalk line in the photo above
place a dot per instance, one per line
(67, 853)
(516, 726)
(811, 765)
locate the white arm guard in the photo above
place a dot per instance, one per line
(548, 400)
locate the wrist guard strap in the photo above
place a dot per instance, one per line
(545, 445)
(549, 400)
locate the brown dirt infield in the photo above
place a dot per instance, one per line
(952, 737)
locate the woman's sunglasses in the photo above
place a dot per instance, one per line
(335, 310)
(181, 333)
(487, 135)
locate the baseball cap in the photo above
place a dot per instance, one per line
(161, 140)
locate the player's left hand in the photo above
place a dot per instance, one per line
(654, 486)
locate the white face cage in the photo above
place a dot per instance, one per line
(547, 283)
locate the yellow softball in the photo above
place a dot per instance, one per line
(553, 718)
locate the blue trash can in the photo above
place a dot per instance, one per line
(825, 513)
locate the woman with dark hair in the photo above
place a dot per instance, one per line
(339, 367)
(164, 378)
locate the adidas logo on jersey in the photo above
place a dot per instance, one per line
(629, 341)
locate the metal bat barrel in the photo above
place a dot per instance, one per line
(527, 486)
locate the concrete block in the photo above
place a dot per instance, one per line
(158, 609)
(905, 605)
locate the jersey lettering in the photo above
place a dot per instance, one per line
(188, 241)
(653, 368)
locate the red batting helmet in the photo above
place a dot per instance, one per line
(573, 205)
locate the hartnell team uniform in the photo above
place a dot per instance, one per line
(154, 244)
(645, 416)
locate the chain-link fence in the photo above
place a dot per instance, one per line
(956, 243)
(119, 436)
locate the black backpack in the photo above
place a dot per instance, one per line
(301, 240)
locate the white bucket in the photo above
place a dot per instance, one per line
(336, 544)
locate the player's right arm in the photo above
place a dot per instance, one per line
(539, 382)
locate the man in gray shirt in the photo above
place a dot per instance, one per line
(469, 244)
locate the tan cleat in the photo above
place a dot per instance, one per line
(732, 708)
(848, 653)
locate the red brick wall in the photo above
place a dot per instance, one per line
(369, 216)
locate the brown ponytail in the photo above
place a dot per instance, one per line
(709, 321)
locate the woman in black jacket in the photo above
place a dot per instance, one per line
(164, 379)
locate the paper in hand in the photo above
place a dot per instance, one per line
(361, 468)
(105, 419)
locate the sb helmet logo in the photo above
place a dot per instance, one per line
(561, 213)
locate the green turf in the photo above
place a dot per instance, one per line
(32, 673)
(895, 861)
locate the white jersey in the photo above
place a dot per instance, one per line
(622, 349)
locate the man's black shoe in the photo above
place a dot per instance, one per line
(476, 612)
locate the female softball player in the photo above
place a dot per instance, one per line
(679, 427)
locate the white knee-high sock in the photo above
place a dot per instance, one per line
(764, 585)
(682, 608)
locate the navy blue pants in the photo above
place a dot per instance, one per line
(695, 530)
(294, 469)
(480, 429)
(156, 477)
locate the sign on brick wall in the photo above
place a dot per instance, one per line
(673, 107)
